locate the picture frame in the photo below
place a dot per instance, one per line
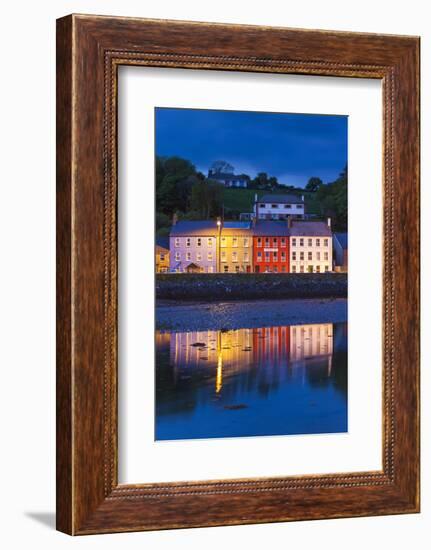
(89, 51)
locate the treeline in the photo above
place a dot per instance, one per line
(330, 199)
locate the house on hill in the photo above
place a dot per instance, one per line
(278, 207)
(228, 179)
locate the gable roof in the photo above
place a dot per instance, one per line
(201, 228)
(342, 239)
(236, 228)
(270, 228)
(288, 199)
(310, 229)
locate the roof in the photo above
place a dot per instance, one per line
(163, 242)
(342, 239)
(162, 249)
(225, 176)
(201, 228)
(288, 199)
(310, 229)
(235, 228)
(270, 228)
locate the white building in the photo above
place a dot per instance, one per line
(310, 246)
(278, 207)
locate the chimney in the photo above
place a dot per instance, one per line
(289, 222)
(253, 221)
(329, 222)
(302, 198)
(174, 219)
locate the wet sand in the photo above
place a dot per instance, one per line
(198, 316)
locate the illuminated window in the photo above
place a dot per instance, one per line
(234, 256)
(223, 241)
(235, 241)
(326, 267)
(177, 256)
(259, 241)
(246, 242)
(188, 256)
(210, 241)
(210, 256)
(198, 256)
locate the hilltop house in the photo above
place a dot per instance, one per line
(278, 207)
(310, 246)
(228, 179)
(193, 246)
(271, 247)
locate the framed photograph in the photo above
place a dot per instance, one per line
(237, 274)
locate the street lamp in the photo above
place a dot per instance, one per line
(218, 244)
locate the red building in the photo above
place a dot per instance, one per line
(271, 247)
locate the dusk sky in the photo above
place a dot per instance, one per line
(292, 147)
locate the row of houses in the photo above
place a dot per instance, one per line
(257, 246)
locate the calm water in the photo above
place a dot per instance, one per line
(251, 382)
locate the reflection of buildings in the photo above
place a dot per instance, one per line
(216, 356)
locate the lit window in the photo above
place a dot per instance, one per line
(326, 268)
(223, 241)
(188, 256)
(210, 241)
(177, 256)
(210, 269)
(235, 241)
(210, 256)
(234, 256)
(198, 256)
(293, 268)
(246, 242)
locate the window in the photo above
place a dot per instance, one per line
(188, 240)
(223, 241)
(275, 269)
(283, 256)
(283, 268)
(177, 256)
(293, 242)
(317, 268)
(210, 256)
(199, 241)
(287, 206)
(210, 241)
(310, 242)
(259, 241)
(225, 268)
(262, 205)
(301, 242)
(266, 241)
(188, 256)
(246, 242)
(235, 256)
(301, 269)
(210, 269)
(274, 242)
(275, 257)
(300, 206)
(317, 242)
(198, 256)
(162, 257)
(326, 255)
(326, 268)
(293, 268)
(246, 257)
(267, 256)
(310, 255)
(317, 255)
(237, 269)
(274, 205)
(267, 269)
(310, 269)
(259, 256)
(177, 242)
(325, 242)
(235, 241)
(223, 255)
(301, 255)
(283, 241)
(293, 255)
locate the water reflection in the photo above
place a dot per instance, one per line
(264, 381)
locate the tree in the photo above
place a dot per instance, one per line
(221, 166)
(313, 184)
(207, 198)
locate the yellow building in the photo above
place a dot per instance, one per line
(162, 257)
(235, 248)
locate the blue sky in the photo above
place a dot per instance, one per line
(292, 147)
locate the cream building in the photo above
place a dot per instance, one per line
(310, 246)
(236, 248)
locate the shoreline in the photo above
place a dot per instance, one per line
(181, 316)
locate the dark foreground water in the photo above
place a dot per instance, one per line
(251, 382)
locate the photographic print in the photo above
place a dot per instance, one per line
(251, 261)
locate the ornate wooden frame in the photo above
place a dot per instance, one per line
(89, 51)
